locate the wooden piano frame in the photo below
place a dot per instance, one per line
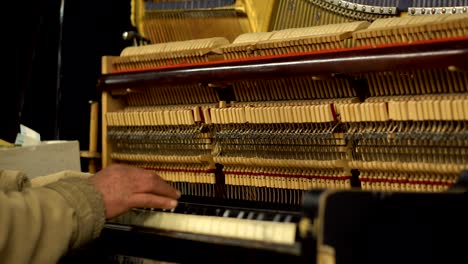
(353, 226)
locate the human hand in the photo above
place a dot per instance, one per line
(124, 187)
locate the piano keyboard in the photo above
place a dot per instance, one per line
(277, 227)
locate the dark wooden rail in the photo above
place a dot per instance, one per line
(408, 56)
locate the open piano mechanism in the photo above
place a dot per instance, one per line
(335, 143)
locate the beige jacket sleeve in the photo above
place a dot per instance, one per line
(40, 224)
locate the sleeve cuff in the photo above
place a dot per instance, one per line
(88, 204)
(11, 180)
(47, 179)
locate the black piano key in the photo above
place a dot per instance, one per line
(251, 215)
(241, 214)
(277, 218)
(226, 213)
(288, 219)
(260, 216)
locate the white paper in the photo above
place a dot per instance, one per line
(27, 137)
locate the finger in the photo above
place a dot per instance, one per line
(148, 181)
(160, 187)
(147, 200)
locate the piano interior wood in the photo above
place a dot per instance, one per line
(169, 20)
(165, 21)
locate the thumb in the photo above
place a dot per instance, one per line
(147, 200)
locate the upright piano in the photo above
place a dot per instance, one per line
(335, 133)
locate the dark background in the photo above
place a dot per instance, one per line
(33, 91)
